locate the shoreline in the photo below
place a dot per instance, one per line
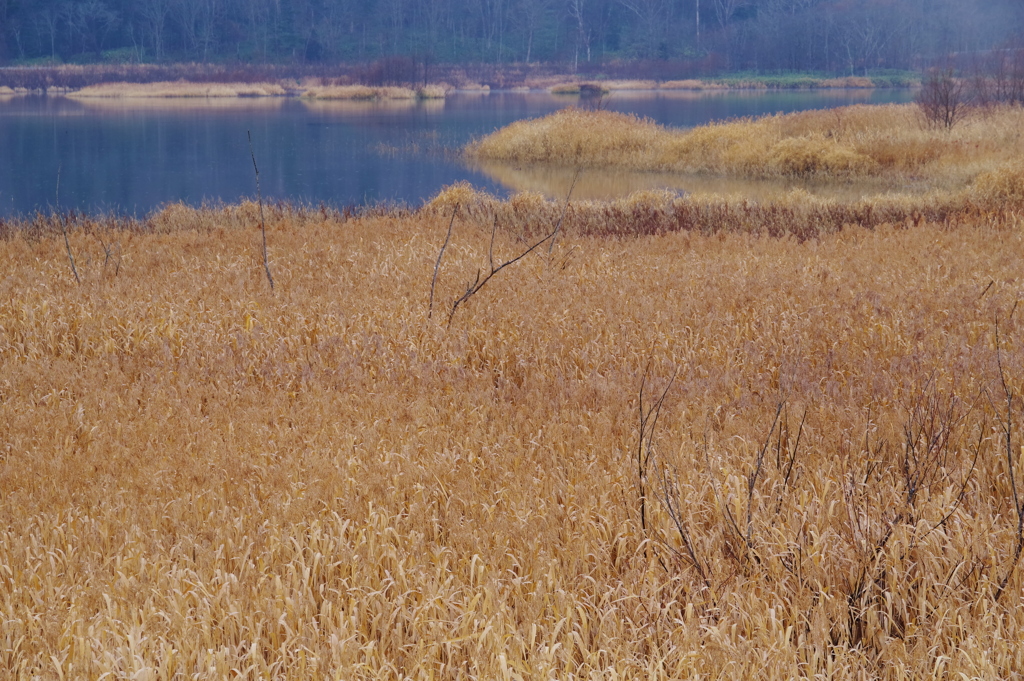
(226, 90)
(94, 82)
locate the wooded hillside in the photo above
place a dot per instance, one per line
(836, 36)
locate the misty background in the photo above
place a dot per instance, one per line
(849, 37)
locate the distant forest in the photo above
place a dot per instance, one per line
(834, 36)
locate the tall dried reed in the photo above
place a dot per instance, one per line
(201, 480)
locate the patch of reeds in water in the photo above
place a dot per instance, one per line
(890, 141)
(367, 93)
(357, 92)
(583, 89)
(179, 89)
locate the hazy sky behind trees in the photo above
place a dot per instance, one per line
(837, 36)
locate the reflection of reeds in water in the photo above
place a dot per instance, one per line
(424, 143)
(179, 89)
(182, 89)
(372, 105)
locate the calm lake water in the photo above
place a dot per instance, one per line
(133, 156)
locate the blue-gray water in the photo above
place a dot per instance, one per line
(131, 156)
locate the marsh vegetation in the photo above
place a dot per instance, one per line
(895, 144)
(695, 437)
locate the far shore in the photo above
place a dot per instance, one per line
(331, 89)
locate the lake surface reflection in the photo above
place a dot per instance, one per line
(131, 156)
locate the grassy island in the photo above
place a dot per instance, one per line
(891, 143)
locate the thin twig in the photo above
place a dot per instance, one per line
(64, 231)
(565, 208)
(479, 283)
(437, 265)
(490, 248)
(675, 515)
(990, 284)
(263, 223)
(963, 487)
(752, 480)
(1008, 433)
(792, 455)
(474, 287)
(645, 445)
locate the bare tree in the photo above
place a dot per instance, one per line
(48, 21)
(944, 99)
(576, 13)
(652, 16)
(532, 14)
(999, 77)
(94, 22)
(196, 18)
(725, 9)
(154, 14)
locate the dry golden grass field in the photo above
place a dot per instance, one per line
(204, 478)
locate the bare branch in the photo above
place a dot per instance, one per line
(756, 473)
(477, 284)
(565, 208)
(64, 231)
(1008, 441)
(673, 508)
(645, 444)
(437, 265)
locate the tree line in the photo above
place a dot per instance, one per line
(833, 36)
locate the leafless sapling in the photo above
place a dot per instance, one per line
(437, 265)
